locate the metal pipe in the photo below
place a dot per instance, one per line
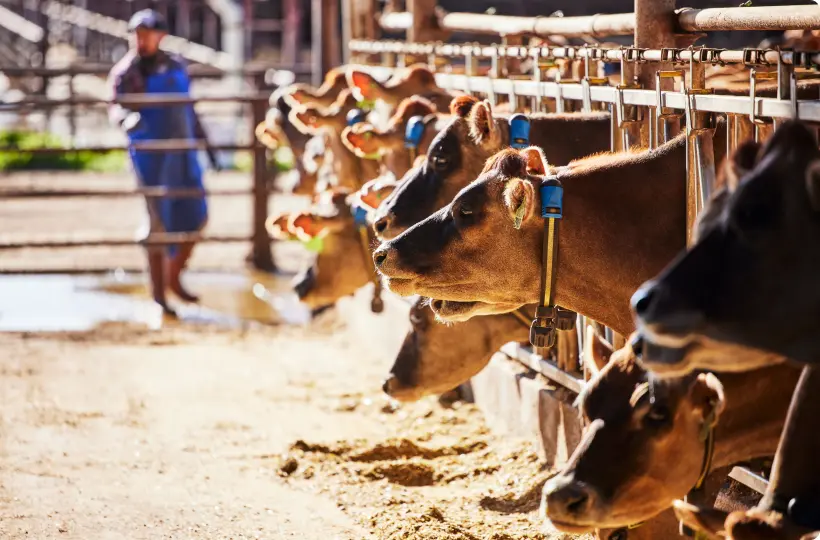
(157, 192)
(600, 25)
(687, 19)
(156, 239)
(749, 18)
(162, 145)
(131, 100)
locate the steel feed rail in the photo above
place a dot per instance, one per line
(704, 55)
(807, 110)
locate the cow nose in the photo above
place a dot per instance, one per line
(305, 284)
(382, 223)
(572, 500)
(391, 385)
(643, 298)
(380, 256)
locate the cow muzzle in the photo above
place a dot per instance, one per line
(569, 504)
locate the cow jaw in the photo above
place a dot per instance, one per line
(450, 311)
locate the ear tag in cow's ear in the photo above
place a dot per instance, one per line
(519, 131)
(315, 244)
(355, 116)
(366, 104)
(519, 215)
(359, 215)
(552, 198)
(413, 132)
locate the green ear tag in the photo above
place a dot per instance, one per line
(315, 244)
(519, 215)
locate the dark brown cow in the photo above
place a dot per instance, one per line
(457, 154)
(644, 445)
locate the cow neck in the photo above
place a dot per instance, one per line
(624, 220)
(750, 427)
(350, 168)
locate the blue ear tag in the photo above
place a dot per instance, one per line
(359, 215)
(552, 198)
(519, 131)
(355, 116)
(413, 132)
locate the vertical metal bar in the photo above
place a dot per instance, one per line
(261, 255)
(325, 36)
(654, 29)
(72, 110)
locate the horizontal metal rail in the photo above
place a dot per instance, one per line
(153, 192)
(156, 239)
(131, 100)
(697, 55)
(689, 20)
(165, 145)
(16, 24)
(526, 356)
(807, 110)
(749, 479)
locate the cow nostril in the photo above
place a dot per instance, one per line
(577, 501)
(388, 385)
(379, 258)
(642, 299)
(437, 305)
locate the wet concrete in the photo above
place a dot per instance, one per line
(76, 303)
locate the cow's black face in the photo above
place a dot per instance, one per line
(753, 276)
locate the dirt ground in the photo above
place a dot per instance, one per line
(195, 431)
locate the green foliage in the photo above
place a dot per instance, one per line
(11, 160)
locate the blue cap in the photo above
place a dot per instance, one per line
(148, 19)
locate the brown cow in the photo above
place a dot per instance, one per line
(435, 358)
(624, 219)
(458, 152)
(644, 445)
(388, 145)
(351, 172)
(417, 80)
(324, 96)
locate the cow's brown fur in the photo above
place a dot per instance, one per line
(435, 358)
(638, 456)
(624, 219)
(458, 152)
(367, 142)
(324, 96)
(417, 80)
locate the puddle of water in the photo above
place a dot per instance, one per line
(76, 303)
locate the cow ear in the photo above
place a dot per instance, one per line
(706, 395)
(710, 521)
(536, 160)
(482, 126)
(813, 184)
(597, 350)
(306, 226)
(373, 192)
(277, 227)
(462, 105)
(741, 161)
(410, 107)
(364, 85)
(365, 142)
(519, 200)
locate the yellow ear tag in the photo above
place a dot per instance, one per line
(519, 215)
(315, 244)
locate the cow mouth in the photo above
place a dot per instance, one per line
(572, 528)
(454, 311)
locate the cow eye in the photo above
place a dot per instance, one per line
(416, 319)
(440, 162)
(657, 416)
(465, 210)
(620, 534)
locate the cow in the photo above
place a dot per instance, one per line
(624, 219)
(456, 155)
(392, 145)
(417, 80)
(324, 96)
(646, 440)
(435, 358)
(351, 172)
(754, 263)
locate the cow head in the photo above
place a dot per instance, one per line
(454, 159)
(313, 119)
(484, 246)
(435, 358)
(324, 96)
(751, 276)
(654, 427)
(417, 80)
(367, 142)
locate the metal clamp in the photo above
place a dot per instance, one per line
(794, 77)
(586, 83)
(670, 55)
(754, 57)
(659, 114)
(755, 76)
(635, 55)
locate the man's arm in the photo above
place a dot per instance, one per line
(125, 79)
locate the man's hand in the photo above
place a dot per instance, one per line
(214, 161)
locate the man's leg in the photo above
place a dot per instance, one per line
(177, 264)
(156, 267)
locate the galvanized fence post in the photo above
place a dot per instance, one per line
(261, 255)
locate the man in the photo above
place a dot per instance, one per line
(146, 69)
